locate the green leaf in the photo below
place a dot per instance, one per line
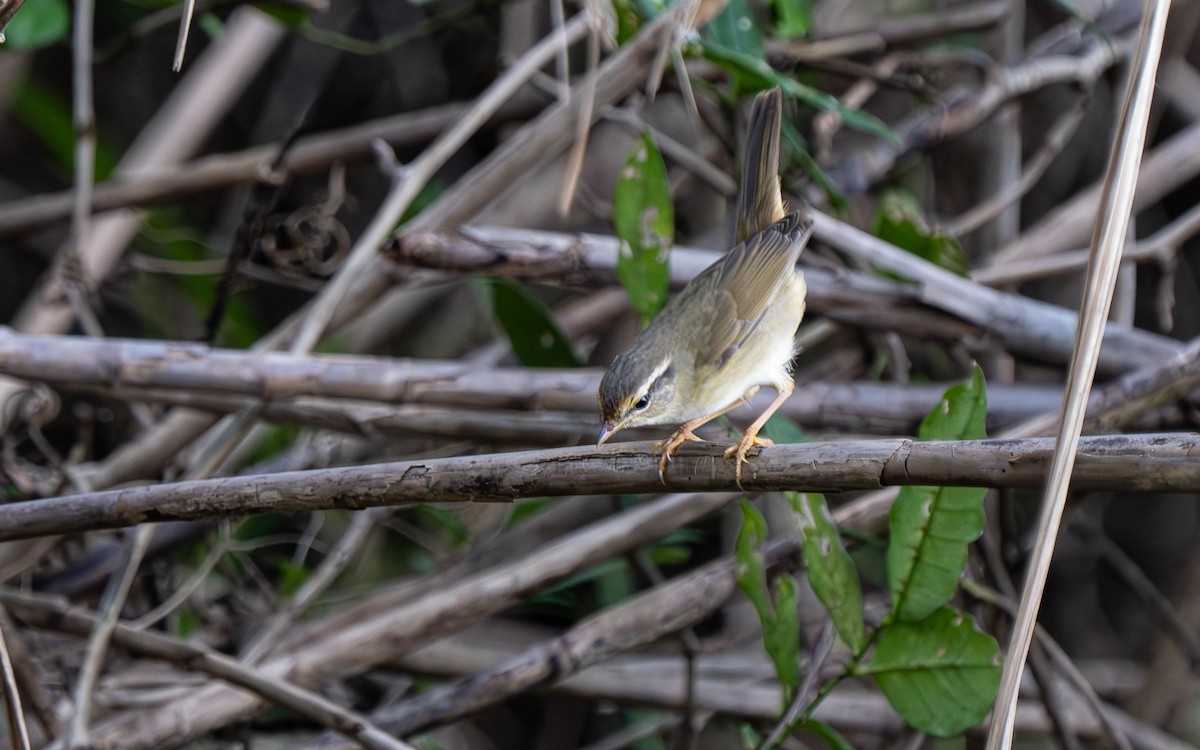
(780, 622)
(38, 24)
(644, 219)
(293, 576)
(961, 414)
(782, 430)
(793, 18)
(831, 571)
(735, 28)
(628, 20)
(536, 339)
(940, 674)
(832, 737)
(803, 156)
(755, 74)
(932, 526)
(901, 223)
(48, 118)
(185, 623)
(445, 521)
(291, 16)
(751, 575)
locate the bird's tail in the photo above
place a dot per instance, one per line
(760, 202)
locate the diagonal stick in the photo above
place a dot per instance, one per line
(1115, 208)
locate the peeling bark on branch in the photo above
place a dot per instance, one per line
(1153, 463)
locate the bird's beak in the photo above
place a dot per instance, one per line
(609, 429)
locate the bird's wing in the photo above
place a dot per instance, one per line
(747, 281)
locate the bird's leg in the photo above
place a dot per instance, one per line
(750, 437)
(681, 436)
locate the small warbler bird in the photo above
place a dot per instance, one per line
(731, 329)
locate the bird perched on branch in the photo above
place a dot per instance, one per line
(731, 329)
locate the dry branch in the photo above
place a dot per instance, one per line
(892, 32)
(1170, 164)
(867, 408)
(964, 109)
(535, 142)
(220, 171)
(1155, 463)
(1037, 329)
(663, 610)
(660, 680)
(334, 391)
(368, 642)
(59, 614)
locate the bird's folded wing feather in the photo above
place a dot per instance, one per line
(748, 280)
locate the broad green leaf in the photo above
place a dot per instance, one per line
(962, 413)
(735, 28)
(793, 18)
(535, 338)
(900, 222)
(831, 571)
(755, 74)
(38, 24)
(932, 526)
(780, 622)
(644, 219)
(940, 674)
(751, 575)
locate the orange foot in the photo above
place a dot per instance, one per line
(739, 451)
(669, 446)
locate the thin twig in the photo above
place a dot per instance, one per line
(1114, 216)
(106, 622)
(642, 619)
(54, 612)
(214, 172)
(1155, 602)
(18, 732)
(1170, 164)
(8, 9)
(419, 173)
(802, 698)
(1160, 247)
(1057, 138)
(350, 543)
(185, 26)
(367, 642)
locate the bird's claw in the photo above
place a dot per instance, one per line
(669, 446)
(741, 449)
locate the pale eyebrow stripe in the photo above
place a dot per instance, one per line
(662, 367)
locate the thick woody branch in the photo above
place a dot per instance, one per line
(361, 394)
(221, 171)
(867, 407)
(1153, 463)
(937, 302)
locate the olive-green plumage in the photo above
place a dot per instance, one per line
(731, 329)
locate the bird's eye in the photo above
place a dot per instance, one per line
(642, 403)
